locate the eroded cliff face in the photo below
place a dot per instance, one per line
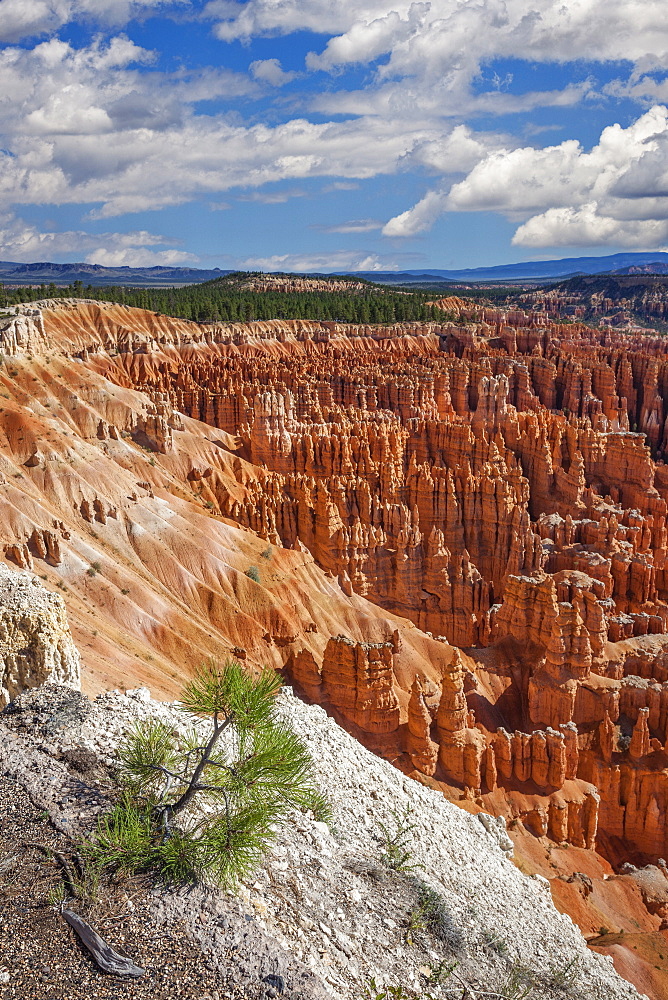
(36, 645)
(458, 529)
(481, 479)
(105, 496)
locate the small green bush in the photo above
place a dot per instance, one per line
(495, 942)
(519, 983)
(395, 853)
(432, 910)
(253, 573)
(373, 991)
(249, 770)
(565, 976)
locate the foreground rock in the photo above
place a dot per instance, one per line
(36, 646)
(311, 496)
(325, 913)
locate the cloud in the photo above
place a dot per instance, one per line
(613, 194)
(354, 226)
(529, 179)
(457, 150)
(98, 125)
(274, 197)
(270, 71)
(340, 186)
(27, 18)
(339, 260)
(445, 96)
(108, 86)
(140, 257)
(586, 227)
(367, 39)
(417, 219)
(635, 30)
(247, 20)
(102, 124)
(428, 55)
(23, 241)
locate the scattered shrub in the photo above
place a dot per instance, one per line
(253, 573)
(375, 992)
(519, 983)
(495, 942)
(432, 910)
(564, 977)
(395, 853)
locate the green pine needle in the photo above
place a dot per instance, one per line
(249, 769)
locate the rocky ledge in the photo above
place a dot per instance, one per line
(320, 918)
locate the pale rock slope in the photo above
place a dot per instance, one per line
(323, 895)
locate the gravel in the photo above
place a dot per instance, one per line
(40, 955)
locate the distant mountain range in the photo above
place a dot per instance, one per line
(44, 273)
(656, 262)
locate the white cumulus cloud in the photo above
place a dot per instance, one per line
(337, 261)
(614, 193)
(26, 18)
(270, 71)
(140, 257)
(585, 226)
(432, 52)
(99, 125)
(353, 226)
(23, 241)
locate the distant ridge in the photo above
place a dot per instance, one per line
(45, 272)
(532, 269)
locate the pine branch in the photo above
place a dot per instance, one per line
(191, 790)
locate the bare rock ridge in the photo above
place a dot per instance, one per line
(322, 915)
(452, 535)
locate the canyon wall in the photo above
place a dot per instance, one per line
(452, 535)
(497, 480)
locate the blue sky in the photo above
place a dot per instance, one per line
(308, 135)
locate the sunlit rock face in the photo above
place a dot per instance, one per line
(453, 536)
(36, 645)
(495, 480)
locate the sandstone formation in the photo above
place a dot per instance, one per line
(108, 495)
(493, 479)
(36, 645)
(349, 503)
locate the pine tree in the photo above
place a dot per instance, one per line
(203, 804)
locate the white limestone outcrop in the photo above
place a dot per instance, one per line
(326, 899)
(21, 331)
(36, 646)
